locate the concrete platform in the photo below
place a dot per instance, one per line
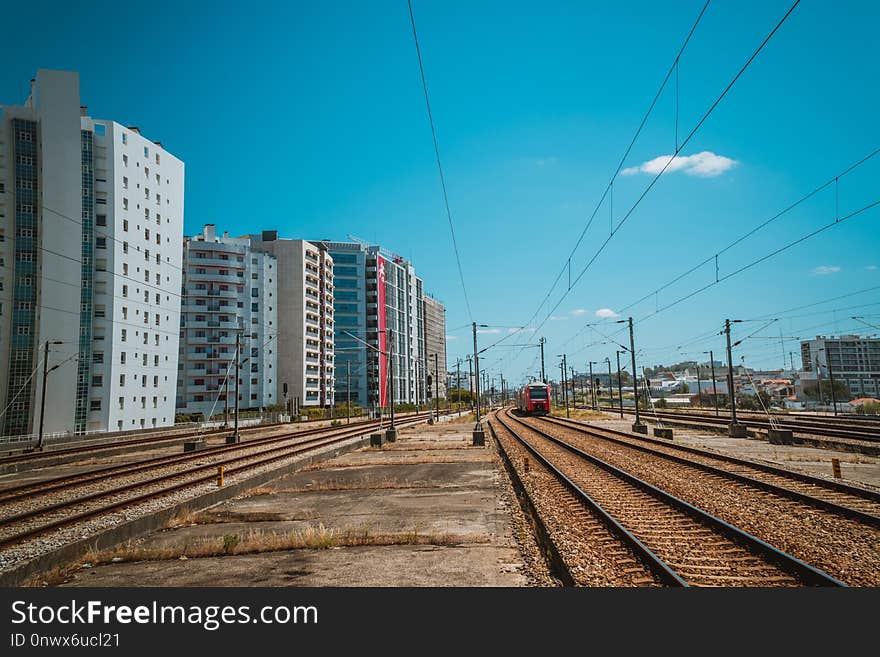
(856, 468)
(427, 510)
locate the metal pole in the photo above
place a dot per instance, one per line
(43, 398)
(632, 351)
(237, 362)
(610, 384)
(391, 371)
(730, 391)
(592, 387)
(565, 384)
(699, 392)
(477, 370)
(619, 385)
(819, 381)
(348, 393)
(470, 382)
(831, 377)
(543, 375)
(458, 383)
(714, 387)
(436, 389)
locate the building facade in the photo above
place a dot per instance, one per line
(91, 218)
(380, 326)
(851, 359)
(305, 315)
(230, 293)
(435, 343)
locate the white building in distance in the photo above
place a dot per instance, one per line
(229, 289)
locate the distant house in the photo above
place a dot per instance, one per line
(855, 403)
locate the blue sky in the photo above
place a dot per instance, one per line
(310, 118)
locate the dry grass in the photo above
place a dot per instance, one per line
(185, 518)
(317, 537)
(337, 484)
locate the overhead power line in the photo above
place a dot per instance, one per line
(684, 143)
(439, 165)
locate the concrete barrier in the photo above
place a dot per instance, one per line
(780, 437)
(663, 433)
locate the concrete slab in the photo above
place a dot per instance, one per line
(856, 468)
(435, 511)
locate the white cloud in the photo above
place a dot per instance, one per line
(491, 330)
(521, 330)
(871, 267)
(704, 165)
(824, 270)
(554, 318)
(451, 337)
(606, 312)
(577, 312)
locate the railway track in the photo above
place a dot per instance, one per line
(867, 432)
(846, 500)
(677, 542)
(31, 511)
(34, 459)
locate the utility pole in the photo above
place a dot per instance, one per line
(46, 371)
(735, 430)
(458, 383)
(348, 393)
(543, 375)
(479, 438)
(637, 426)
(436, 389)
(610, 383)
(699, 387)
(470, 361)
(391, 433)
(831, 378)
(619, 384)
(235, 437)
(226, 399)
(592, 386)
(714, 387)
(819, 382)
(564, 366)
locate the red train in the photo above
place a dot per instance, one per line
(534, 399)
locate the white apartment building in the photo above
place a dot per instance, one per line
(305, 319)
(853, 360)
(229, 289)
(91, 217)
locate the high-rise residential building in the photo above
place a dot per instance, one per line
(305, 318)
(230, 293)
(378, 302)
(435, 343)
(91, 222)
(852, 360)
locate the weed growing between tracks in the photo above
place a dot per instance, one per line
(316, 537)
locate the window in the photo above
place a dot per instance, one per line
(125, 287)
(122, 357)
(125, 247)
(124, 333)
(121, 405)
(125, 160)
(100, 242)
(125, 204)
(124, 182)
(97, 381)
(146, 152)
(95, 405)
(101, 220)
(157, 162)
(124, 141)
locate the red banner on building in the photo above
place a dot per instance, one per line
(383, 342)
